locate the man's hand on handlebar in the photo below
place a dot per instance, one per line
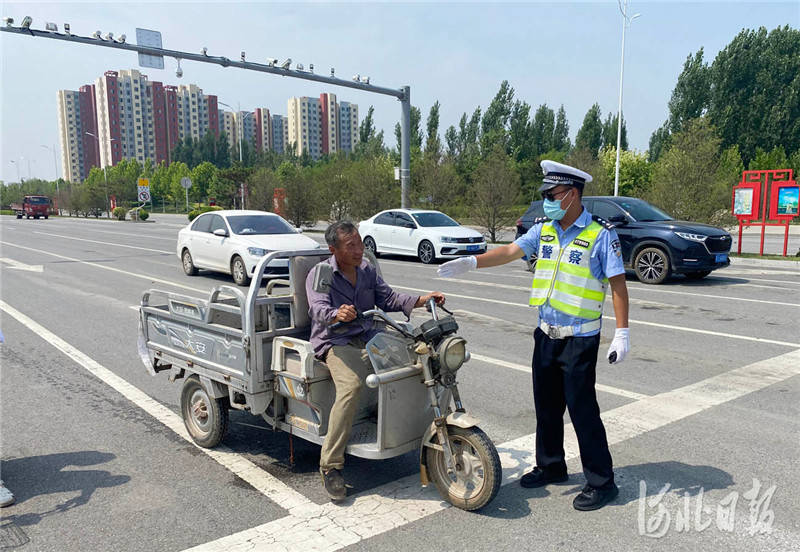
(437, 296)
(345, 313)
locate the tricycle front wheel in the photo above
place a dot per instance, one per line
(478, 472)
(206, 419)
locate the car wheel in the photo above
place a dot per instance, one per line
(531, 263)
(239, 271)
(369, 245)
(426, 252)
(699, 275)
(652, 266)
(188, 263)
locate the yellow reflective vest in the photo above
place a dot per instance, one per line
(563, 277)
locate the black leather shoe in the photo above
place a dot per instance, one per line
(538, 477)
(593, 498)
(334, 484)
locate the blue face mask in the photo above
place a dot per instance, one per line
(553, 210)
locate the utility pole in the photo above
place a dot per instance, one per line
(284, 69)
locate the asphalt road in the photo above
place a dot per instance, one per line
(703, 417)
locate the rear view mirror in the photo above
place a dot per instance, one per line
(299, 230)
(621, 219)
(323, 277)
(409, 225)
(220, 232)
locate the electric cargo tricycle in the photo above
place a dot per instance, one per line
(251, 352)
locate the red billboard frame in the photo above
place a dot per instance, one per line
(766, 185)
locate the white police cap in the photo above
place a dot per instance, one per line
(558, 174)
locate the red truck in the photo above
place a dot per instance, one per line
(32, 206)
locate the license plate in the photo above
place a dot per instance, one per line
(721, 257)
(477, 247)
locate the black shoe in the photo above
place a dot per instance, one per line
(593, 498)
(334, 484)
(538, 477)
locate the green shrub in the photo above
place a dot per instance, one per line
(143, 214)
(119, 213)
(201, 210)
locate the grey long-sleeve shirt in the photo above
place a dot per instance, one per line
(369, 292)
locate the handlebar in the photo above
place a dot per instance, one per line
(373, 312)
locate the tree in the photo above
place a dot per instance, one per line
(433, 144)
(300, 196)
(587, 161)
(769, 161)
(690, 98)
(610, 133)
(543, 130)
(415, 117)
(561, 132)
(202, 176)
(755, 86)
(635, 171)
(520, 132)
(435, 186)
(373, 185)
(692, 181)
(659, 142)
(590, 135)
(494, 130)
(494, 192)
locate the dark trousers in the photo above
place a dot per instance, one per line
(564, 372)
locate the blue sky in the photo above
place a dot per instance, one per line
(457, 53)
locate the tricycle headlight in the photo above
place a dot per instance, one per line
(452, 352)
(257, 251)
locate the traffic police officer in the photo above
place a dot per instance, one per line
(578, 256)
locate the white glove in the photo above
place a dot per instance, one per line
(458, 266)
(620, 345)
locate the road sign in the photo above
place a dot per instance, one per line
(151, 39)
(186, 182)
(144, 196)
(144, 190)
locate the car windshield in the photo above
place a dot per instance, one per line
(642, 211)
(259, 224)
(433, 219)
(38, 200)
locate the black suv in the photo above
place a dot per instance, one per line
(654, 245)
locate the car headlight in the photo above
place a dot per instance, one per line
(452, 352)
(258, 252)
(692, 237)
(447, 240)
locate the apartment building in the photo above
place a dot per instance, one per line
(77, 116)
(280, 133)
(263, 129)
(322, 125)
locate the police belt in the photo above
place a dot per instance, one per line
(560, 332)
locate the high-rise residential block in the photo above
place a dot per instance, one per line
(263, 129)
(77, 116)
(348, 126)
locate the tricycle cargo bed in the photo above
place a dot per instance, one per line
(228, 337)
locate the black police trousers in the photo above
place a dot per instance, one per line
(564, 373)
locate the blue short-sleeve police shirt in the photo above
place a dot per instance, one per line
(605, 262)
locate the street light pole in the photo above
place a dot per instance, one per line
(105, 174)
(17, 166)
(55, 166)
(29, 166)
(241, 137)
(626, 22)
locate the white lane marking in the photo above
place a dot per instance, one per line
(630, 288)
(112, 244)
(709, 332)
(527, 370)
(112, 269)
(262, 481)
(16, 265)
(134, 236)
(401, 502)
(471, 298)
(630, 321)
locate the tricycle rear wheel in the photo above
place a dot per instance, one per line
(206, 419)
(478, 472)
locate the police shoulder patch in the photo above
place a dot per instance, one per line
(603, 222)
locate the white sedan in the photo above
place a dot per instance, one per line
(429, 235)
(234, 242)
